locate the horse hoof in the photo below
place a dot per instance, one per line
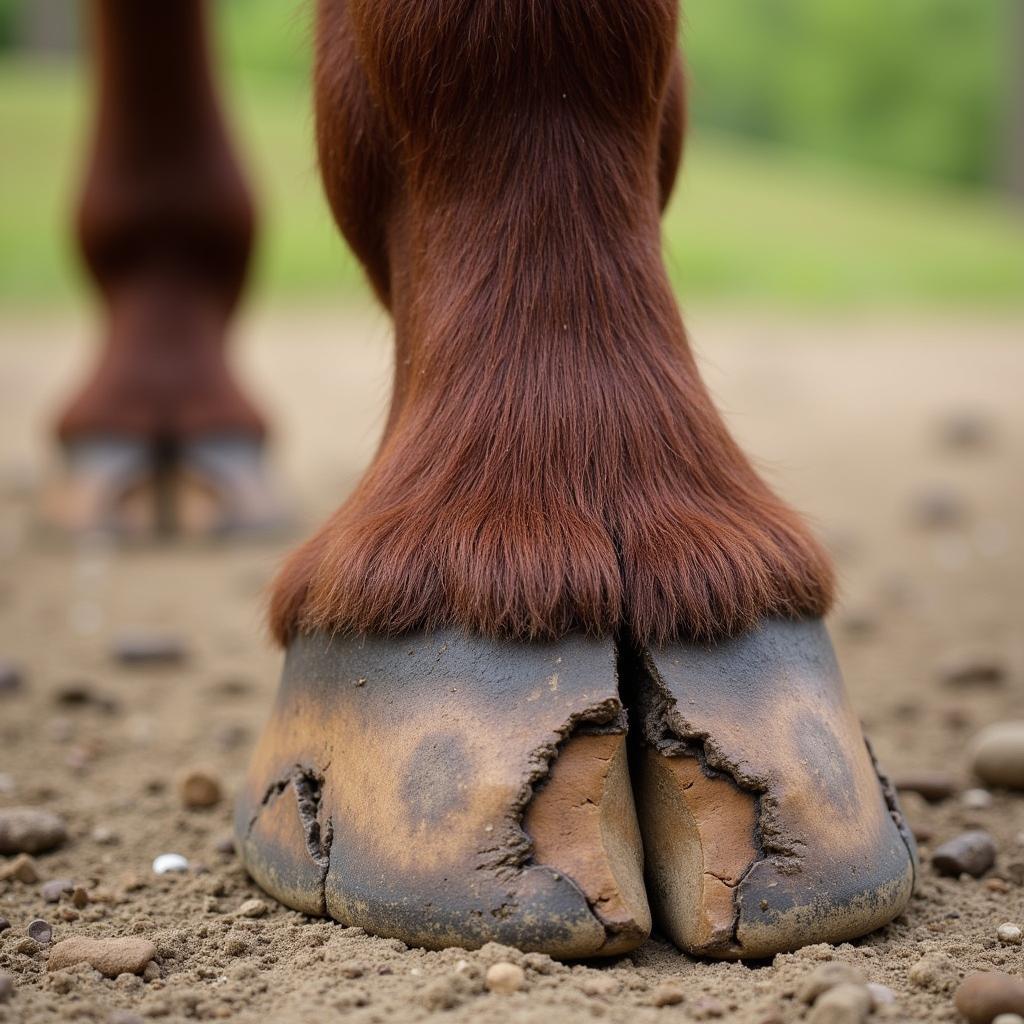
(135, 489)
(447, 790)
(766, 823)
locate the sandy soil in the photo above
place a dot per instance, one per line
(846, 418)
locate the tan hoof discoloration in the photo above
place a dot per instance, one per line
(448, 790)
(766, 823)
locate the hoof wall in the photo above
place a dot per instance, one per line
(452, 791)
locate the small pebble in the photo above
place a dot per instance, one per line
(984, 995)
(104, 836)
(976, 799)
(1008, 1018)
(6, 987)
(143, 648)
(169, 862)
(12, 678)
(1009, 934)
(844, 1004)
(938, 505)
(225, 845)
(199, 791)
(881, 995)
(252, 908)
(997, 755)
(4, 924)
(965, 430)
(504, 978)
(80, 693)
(933, 786)
(667, 994)
(21, 869)
(54, 889)
(111, 957)
(29, 830)
(971, 853)
(80, 898)
(41, 931)
(827, 976)
(972, 668)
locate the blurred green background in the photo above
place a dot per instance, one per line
(842, 155)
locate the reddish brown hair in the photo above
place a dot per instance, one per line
(165, 225)
(552, 460)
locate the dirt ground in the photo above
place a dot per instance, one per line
(849, 419)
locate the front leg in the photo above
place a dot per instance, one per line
(552, 468)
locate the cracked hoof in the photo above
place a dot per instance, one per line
(766, 823)
(133, 489)
(447, 790)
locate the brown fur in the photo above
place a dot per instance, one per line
(166, 226)
(552, 460)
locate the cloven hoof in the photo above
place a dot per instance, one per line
(133, 489)
(452, 790)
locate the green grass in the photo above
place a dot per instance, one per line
(749, 225)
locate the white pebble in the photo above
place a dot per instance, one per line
(252, 908)
(976, 799)
(505, 978)
(1010, 934)
(997, 755)
(1008, 1018)
(168, 862)
(881, 995)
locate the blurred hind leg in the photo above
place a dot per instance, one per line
(165, 228)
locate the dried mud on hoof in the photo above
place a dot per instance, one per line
(766, 823)
(447, 790)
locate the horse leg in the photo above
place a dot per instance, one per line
(165, 226)
(557, 532)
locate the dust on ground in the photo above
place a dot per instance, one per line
(848, 419)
